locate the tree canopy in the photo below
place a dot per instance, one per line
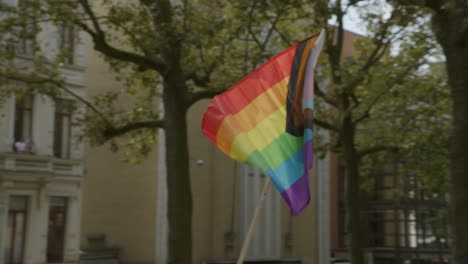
(178, 52)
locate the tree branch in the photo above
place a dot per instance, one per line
(101, 44)
(432, 4)
(199, 80)
(377, 148)
(350, 109)
(274, 22)
(335, 42)
(325, 125)
(340, 41)
(283, 37)
(203, 79)
(111, 132)
(249, 26)
(320, 93)
(193, 97)
(366, 112)
(374, 101)
(375, 56)
(270, 31)
(137, 42)
(58, 84)
(92, 16)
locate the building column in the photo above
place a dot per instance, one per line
(36, 226)
(7, 124)
(323, 206)
(72, 234)
(43, 125)
(161, 203)
(3, 220)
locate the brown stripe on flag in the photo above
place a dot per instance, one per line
(295, 119)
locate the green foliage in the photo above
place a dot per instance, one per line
(221, 41)
(388, 87)
(401, 101)
(403, 104)
(385, 104)
(219, 48)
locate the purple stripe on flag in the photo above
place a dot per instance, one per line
(297, 196)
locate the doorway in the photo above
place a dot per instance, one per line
(57, 228)
(16, 229)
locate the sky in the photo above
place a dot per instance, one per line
(354, 23)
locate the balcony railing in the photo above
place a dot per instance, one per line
(37, 163)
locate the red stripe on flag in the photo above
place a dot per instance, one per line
(246, 90)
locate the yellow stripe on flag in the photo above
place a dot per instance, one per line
(259, 137)
(251, 115)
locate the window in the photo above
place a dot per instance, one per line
(56, 233)
(62, 129)
(66, 42)
(27, 29)
(15, 234)
(23, 123)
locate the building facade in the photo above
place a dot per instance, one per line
(40, 200)
(404, 221)
(225, 194)
(41, 163)
(125, 206)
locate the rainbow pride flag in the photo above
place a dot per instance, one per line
(265, 120)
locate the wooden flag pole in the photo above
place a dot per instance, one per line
(253, 222)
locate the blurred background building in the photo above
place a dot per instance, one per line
(41, 165)
(403, 222)
(50, 214)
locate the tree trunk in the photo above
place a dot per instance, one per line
(353, 192)
(178, 174)
(458, 76)
(459, 159)
(448, 25)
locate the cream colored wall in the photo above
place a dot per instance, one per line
(213, 186)
(120, 201)
(119, 198)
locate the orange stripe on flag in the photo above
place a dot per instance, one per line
(241, 94)
(252, 114)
